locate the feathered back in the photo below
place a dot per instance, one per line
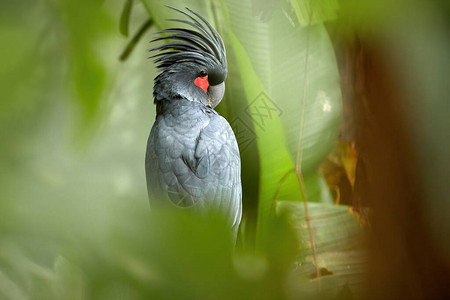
(202, 46)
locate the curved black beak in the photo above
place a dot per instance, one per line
(215, 94)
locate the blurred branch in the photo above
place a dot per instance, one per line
(130, 47)
(125, 17)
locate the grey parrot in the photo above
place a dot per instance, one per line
(192, 159)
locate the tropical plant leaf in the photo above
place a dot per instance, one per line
(339, 239)
(296, 75)
(312, 12)
(335, 227)
(268, 140)
(294, 63)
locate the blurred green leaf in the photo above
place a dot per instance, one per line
(160, 13)
(68, 277)
(22, 76)
(312, 12)
(90, 75)
(9, 289)
(132, 253)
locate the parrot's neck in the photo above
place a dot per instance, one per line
(181, 108)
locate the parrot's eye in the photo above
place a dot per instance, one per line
(203, 73)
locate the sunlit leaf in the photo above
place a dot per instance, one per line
(311, 12)
(265, 141)
(302, 80)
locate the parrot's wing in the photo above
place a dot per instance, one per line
(217, 162)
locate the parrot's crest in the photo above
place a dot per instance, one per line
(202, 46)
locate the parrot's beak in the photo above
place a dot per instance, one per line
(215, 94)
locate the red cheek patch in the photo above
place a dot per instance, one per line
(202, 82)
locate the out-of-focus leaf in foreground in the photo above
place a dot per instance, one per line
(131, 253)
(86, 24)
(54, 49)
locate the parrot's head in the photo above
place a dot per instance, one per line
(193, 64)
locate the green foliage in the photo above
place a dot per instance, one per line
(89, 71)
(131, 253)
(312, 12)
(302, 88)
